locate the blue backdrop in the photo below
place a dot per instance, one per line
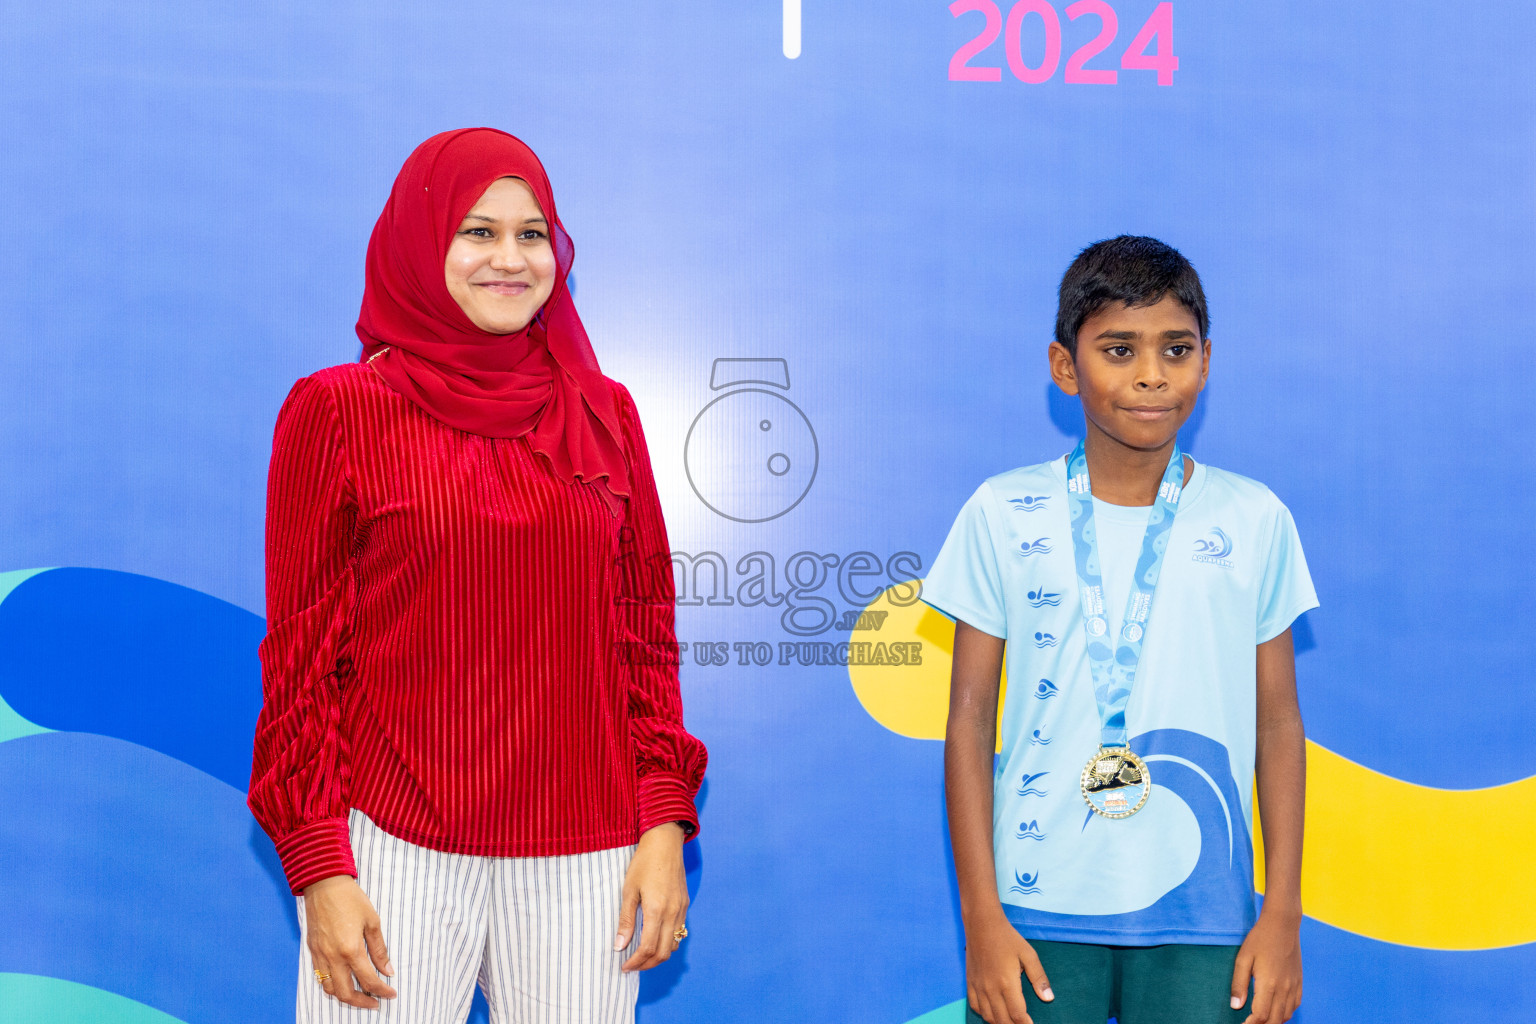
(188, 189)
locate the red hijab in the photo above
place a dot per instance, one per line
(542, 381)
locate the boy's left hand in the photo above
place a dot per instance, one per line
(1271, 956)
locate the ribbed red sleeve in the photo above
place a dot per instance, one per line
(299, 769)
(669, 763)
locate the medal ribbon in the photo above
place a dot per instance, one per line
(1114, 672)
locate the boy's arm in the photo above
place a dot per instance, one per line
(995, 954)
(1271, 954)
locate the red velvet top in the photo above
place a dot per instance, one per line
(476, 653)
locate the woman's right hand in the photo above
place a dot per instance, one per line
(345, 941)
(995, 957)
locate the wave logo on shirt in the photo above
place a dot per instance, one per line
(1029, 830)
(1214, 548)
(1042, 598)
(1044, 640)
(1029, 503)
(1035, 737)
(1045, 690)
(1358, 881)
(1028, 785)
(1025, 884)
(1035, 547)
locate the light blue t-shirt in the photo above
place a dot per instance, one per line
(1234, 576)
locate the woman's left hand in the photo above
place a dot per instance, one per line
(656, 882)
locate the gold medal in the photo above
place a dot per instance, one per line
(1116, 782)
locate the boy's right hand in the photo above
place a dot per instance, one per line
(995, 957)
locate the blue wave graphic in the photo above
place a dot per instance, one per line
(1029, 830)
(116, 654)
(1043, 640)
(1035, 547)
(1387, 982)
(1045, 689)
(1035, 737)
(1025, 884)
(1029, 503)
(1027, 785)
(1043, 599)
(143, 869)
(126, 831)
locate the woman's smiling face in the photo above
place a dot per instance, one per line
(501, 266)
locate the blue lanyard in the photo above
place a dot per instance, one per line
(1114, 672)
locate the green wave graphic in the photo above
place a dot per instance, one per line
(33, 999)
(950, 1013)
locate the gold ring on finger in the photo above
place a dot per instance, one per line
(322, 977)
(680, 934)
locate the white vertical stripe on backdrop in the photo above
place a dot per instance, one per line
(791, 28)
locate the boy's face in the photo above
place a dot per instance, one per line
(1138, 370)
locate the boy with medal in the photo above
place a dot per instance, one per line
(1145, 602)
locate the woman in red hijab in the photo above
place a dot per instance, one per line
(471, 755)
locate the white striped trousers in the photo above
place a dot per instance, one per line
(535, 932)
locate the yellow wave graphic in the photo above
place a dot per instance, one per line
(1384, 858)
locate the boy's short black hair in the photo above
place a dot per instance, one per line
(1132, 269)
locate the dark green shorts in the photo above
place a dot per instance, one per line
(1174, 984)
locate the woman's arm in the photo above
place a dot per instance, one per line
(299, 765)
(1271, 955)
(995, 953)
(669, 762)
(298, 771)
